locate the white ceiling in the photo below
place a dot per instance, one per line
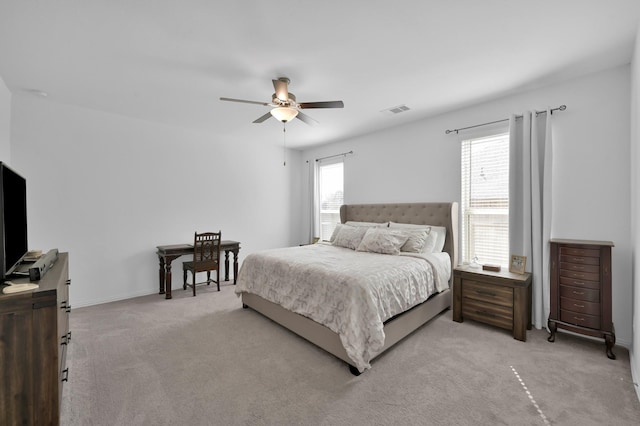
(170, 61)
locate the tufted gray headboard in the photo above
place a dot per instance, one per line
(437, 214)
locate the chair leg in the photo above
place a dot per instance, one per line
(194, 283)
(208, 277)
(184, 279)
(218, 278)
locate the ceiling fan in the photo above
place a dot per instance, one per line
(285, 106)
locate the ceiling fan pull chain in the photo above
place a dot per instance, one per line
(284, 144)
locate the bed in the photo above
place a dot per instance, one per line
(262, 272)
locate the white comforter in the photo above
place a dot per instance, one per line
(352, 293)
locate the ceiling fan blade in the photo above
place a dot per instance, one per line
(329, 104)
(282, 92)
(263, 118)
(304, 117)
(245, 102)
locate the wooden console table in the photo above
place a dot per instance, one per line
(169, 253)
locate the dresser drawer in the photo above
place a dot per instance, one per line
(484, 292)
(573, 282)
(577, 293)
(587, 276)
(579, 306)
(580, 260)
(500, 316)
(584, 320)
(579, 252)
(580, 267)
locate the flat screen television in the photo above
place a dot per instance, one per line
(13, 220)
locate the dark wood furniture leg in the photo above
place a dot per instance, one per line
(235, 265)
(521, 306)
(610, 341)
(226, 265)
(553, 328)
(165, 275)
(161, 280)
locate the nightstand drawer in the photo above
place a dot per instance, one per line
(488, 293)
(500, 316)
(579, 306)
(587, 294)
(583, 320)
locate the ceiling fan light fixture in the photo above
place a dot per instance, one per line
(284, 114)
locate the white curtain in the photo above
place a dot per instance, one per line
(313, 200)
(530, 165)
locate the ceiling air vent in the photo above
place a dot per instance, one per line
(396, 109)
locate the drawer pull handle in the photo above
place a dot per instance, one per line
(486, 293)
(578, 306)
(578, 319)
(578, 292)
(65, 378)
(578, 283)
(579, 268)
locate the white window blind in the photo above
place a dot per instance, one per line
(485, 200)
(330, 196)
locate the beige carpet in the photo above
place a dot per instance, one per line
(207, 361)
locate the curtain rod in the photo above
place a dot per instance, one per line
(560, 108)
(332, 156)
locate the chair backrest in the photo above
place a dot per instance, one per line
(206, 250)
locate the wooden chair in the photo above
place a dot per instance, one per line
(206, 258)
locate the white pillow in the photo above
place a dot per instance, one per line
(383, 240)
(440, 234)
(435, 241)
(350, 236)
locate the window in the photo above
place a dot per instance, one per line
(330, 196)
(485, 199)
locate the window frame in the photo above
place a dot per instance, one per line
(325, 229)
(495, 215)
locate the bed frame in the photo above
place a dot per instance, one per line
(400, 326)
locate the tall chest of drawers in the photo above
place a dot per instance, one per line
(580, 289)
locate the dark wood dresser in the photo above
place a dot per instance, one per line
(580, 289)
(34, 327)
(502, 299)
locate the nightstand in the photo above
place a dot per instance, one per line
(502, 299)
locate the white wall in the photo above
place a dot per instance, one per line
(109, 189)
(419, 162)
(5, 121)
(635, 208)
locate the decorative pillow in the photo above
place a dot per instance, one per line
(368, 224)
(435, 240)
(350, 236)
(335, 232)
(383, 240)
(417, 239)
